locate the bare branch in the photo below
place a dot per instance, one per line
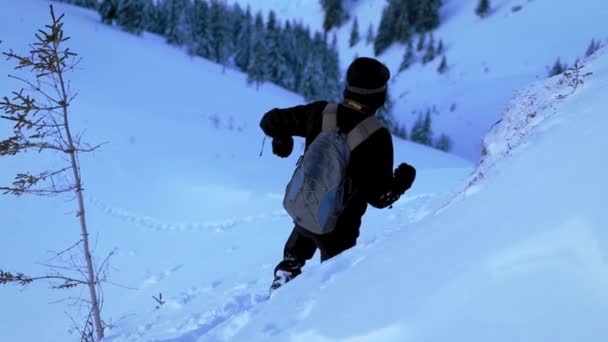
(35, 87)
(25, 183)
(67, 250)
(22, 279)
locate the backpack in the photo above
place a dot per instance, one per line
(317, 192)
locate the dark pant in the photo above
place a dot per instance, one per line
(301, 246)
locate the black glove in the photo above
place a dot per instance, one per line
(282, 146)
(403, 178)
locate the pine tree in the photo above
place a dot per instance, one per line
(427, 15)
(200, 42)
(302, 51)
(385, 114)
(443, 66)
(403, 27)
(430, 51)
(557, 68)
(84, 3)
(276, 65)
(386, 31)
(408, 57)
(334, 14)
(417, 133)
(370, 37)
(421, 41)
(443, 143)
(155, 19)
(245, 45)
(108, 10)
(288, 44)
(483, 8)
(331, 70)
(313, 74)
(428, 132)
(176, 30)
(421, 131)
(220, 35)
(238, 23)
(130, 15)
(593, 46)
(256, 69)
(440, 47)
(354, 33)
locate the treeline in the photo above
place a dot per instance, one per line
(286, 54)
(401, 19)
(421, 131)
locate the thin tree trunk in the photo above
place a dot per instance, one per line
(72, 151)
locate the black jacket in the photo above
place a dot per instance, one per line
(371, 164)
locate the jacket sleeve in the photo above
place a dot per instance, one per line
(378, 180)
(293, 121)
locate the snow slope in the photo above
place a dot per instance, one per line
(520, 255)
(489, 59)
(179, 192)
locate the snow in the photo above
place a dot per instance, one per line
(512, 250)
(489, 59)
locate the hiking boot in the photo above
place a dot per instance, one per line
(285, 271)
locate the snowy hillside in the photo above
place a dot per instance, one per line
(521, 255)
(489, 59)
(515, 250)
(179, 191)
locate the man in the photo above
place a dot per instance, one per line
(369, 171)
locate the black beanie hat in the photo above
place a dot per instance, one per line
(366, 81)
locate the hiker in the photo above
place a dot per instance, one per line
(369, 177)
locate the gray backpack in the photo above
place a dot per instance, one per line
(315, 196)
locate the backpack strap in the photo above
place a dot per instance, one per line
(362, 131)
(330, 117)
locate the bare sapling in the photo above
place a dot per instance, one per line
(40, 116)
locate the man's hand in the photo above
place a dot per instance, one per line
(403, 178)
(282, 146)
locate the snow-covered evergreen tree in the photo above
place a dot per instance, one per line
(130, 15)
(334, 14)
(427, 129)
(220, 32)
(276, 66)
(354, 34)
(558, 68)
(428, 15)
(430, 51)
(593, 46)
(331, 67)
(176, 30)
(257, 67)
(421, 42)
(443, 66)
(443, 143)
(313, 73)
(483, 8)
(408, 57)
(82, 3)
(108, 10)
(200, 44)
(288, 45)
(370, 36)
(245, 43)
(155, 19)
(440, 47)
(421, 131)
(403, 28)
(386, 30)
